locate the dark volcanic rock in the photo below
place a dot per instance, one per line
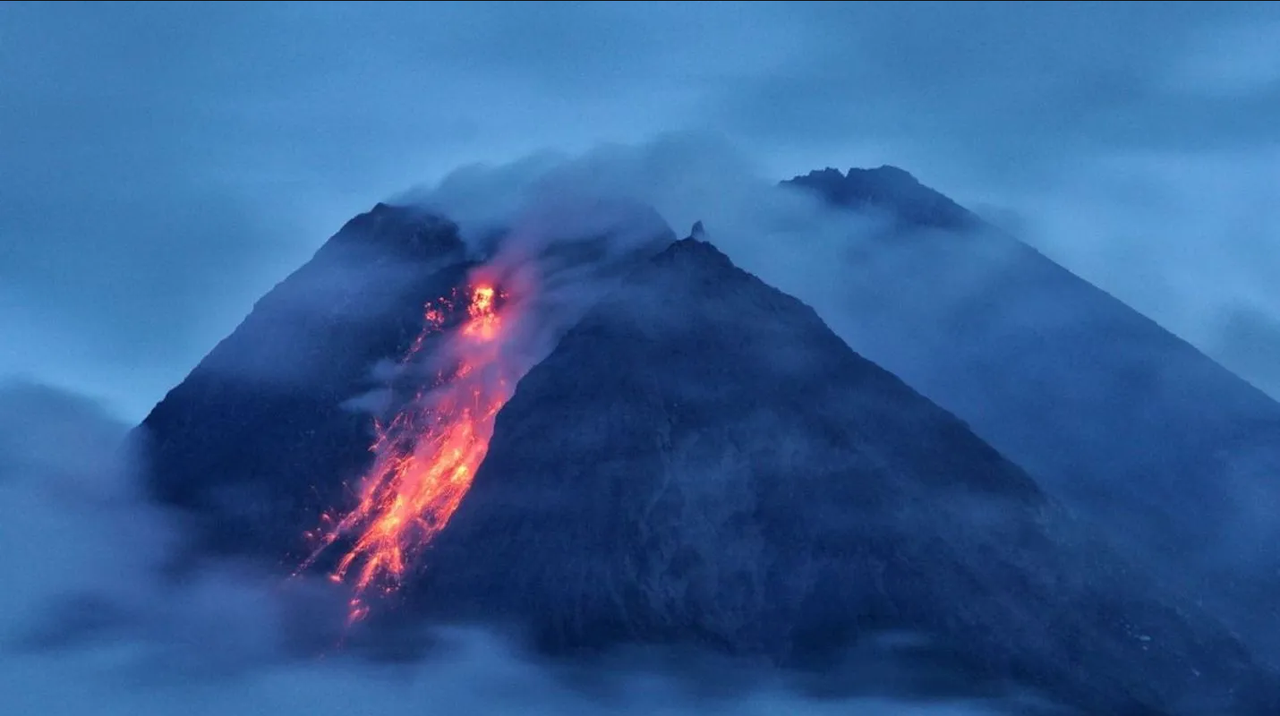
(274, 426)
(256, 440)
(1126, 422)
(889, 189)
(701, 460)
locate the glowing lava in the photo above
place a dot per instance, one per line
(427, 455)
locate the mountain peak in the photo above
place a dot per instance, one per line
(405, 232)
(696, 256)
(886, 188)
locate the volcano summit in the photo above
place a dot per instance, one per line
(645, 444)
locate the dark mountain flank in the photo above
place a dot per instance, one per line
(256, 441)
(696, 460)
(1130, 425)
(702, 460)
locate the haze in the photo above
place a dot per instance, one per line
(163, 165)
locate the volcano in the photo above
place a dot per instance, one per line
(690, 457)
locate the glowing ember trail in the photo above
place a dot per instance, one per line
(426, 457)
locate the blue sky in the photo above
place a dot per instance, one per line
(165, 164)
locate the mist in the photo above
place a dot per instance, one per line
(1187, 238)
(788, 239)
(167, 164)
(95, 620)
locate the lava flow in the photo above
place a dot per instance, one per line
(427, 455)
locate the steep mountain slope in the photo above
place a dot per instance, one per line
(702, 460)
(1128, 423)
(256, 440)
(273, 430)
(888, 188)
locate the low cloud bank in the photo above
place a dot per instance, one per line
(96, 618)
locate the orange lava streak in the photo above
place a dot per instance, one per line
(426, 456)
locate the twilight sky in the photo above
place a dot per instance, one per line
(162, 165)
